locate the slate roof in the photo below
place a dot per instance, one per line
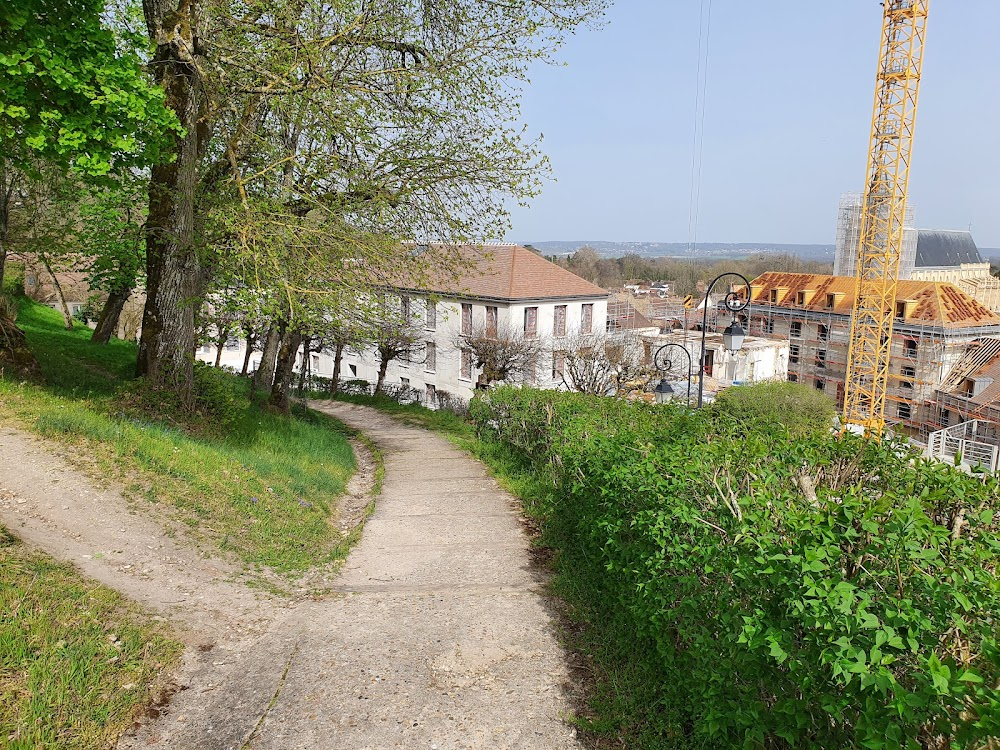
(508, 273)
(936, 303)
(936, 247)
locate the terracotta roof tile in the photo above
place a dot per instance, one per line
(509, 272)
(935, 303)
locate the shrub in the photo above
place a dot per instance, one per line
(780, 592)
(793, 406)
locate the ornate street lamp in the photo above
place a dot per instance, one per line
(665, 364)
(732, 337)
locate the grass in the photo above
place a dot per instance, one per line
(259, 485)
(77, 662)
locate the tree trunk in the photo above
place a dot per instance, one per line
(173, 268)
(383, 366)
(67, 316)
(304, 370)
(107, 322)
(220, 344)
(263, 379)
(338, 358)
(290, 343)
(249, 354)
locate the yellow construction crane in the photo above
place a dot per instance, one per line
(896, 90)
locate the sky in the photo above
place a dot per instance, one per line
(788, 105)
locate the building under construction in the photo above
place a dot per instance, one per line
(935, 325)
(927, 255)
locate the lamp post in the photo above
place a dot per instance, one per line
(732, 337)
(665, 364)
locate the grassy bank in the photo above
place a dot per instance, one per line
(77, 662)
(252, 483)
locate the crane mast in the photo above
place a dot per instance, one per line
(884, 206)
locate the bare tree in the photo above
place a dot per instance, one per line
(501, 351)
(606, 364)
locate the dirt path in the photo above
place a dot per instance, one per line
(436, 635)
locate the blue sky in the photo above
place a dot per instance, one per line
(788, 109)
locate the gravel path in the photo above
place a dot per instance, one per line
(436, 635)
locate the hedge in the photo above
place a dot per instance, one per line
(818, 591)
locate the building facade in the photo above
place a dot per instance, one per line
(935, 324)
(506, 289)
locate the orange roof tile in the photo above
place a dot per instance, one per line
(935, 302)
(508, 272)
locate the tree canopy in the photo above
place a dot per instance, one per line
(72, 94)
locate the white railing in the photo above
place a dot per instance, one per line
(977, 444)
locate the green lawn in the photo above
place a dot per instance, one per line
(255, 484)
(78, 663)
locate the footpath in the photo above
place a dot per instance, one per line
(436, 635)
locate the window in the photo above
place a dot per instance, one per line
(205, 348)
(558, 365)
(491, 320)
(404, 308)
(821, 358)
(466, 319)
(315, 363)
(353, 369)
(431, 319)
(530, 372)
(831, 300)
(430, 357)
(824, 332)
(768, 325)
(906, 385)
(530, 322)
(559, 321)
(405, 382)
(587, 319)
(466, 371)
(232, 344)
(792, 377)
(910, 348)
(431, 394)
(795, 329)
(904, 410)
(945, 417)
(908, 371)
(800, 298)
(793, 353)
(773, 297)
(900, 310)
(819, 384)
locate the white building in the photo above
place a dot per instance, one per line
(506, 288)
(758, 360)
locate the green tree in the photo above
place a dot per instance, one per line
(388, 118)
(71, 94)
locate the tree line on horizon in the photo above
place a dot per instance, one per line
(686, 276)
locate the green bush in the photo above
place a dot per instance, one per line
(793, 406)
(773, 591)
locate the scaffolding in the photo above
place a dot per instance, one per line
(849, 221)
(922, 356)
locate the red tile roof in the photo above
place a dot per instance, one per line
(510, 273)
(933, 302)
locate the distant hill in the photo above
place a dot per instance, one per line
(707, 250)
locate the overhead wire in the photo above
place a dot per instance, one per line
(698, 130)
